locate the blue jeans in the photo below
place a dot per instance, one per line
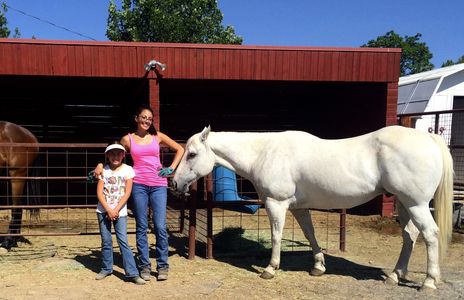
(120, 228)
(156, 197)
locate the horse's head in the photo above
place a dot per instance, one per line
(198, 161)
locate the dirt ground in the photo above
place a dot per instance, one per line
(373, 245)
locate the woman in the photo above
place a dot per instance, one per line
(150, 188)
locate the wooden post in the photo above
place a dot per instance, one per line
(154, 101)
(192, 220)
(209, 215)
(343, 230)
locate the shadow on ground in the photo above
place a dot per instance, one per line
(250, 254)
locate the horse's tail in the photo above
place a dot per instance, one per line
(33, 186)
(443, 199)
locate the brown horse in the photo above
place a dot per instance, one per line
(17, 159)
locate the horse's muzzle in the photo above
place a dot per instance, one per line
(177, 191)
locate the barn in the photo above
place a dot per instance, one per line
(75, 91)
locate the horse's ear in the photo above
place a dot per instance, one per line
(204, 133)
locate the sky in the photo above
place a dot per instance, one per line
(325, 23)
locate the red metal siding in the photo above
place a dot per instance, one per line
(111, 59)
(392, 102)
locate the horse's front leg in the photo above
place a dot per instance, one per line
(276, 211)
(303, 217)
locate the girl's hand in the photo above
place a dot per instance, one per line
(112, 214)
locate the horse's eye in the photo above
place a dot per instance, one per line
(191, 155)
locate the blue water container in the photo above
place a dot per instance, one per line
(225, 189)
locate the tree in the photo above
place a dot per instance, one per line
(176, 21)
(450, 62)
(415, 55)
(4, 31)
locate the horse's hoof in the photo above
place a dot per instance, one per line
(3, 251)
(8, 244)
(390, 281)
(316, 272)
(266, 275)
(429, 284)
(425, 288)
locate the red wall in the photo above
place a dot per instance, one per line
(198, 61)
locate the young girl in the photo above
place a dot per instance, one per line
(113, 189)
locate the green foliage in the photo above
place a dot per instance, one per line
(17, 33)
(415, 57)
(175, 21)
(450, 62)
(4, 31)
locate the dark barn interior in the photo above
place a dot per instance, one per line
(98, 110)
(70, 109)
(325, 109)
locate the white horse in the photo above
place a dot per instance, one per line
(297, 171)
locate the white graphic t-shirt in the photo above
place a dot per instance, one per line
(114, 186)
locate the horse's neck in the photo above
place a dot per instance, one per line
(236, 151)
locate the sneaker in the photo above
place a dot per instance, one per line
(145, 274)
(137, 280)
(163, 274)
(102, 275)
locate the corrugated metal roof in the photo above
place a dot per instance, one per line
(432, 74)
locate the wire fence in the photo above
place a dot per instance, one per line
(67, 203)
(65, 198)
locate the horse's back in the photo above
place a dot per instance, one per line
(347, 172)
(13, 133)
(20, 156)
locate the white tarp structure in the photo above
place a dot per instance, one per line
(437, 90)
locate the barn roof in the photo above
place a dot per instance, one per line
(415, 91)
(198, 61)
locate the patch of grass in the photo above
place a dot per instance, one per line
(234, 241)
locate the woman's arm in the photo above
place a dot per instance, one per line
(125, 141)
(99, 168)
(166, 140)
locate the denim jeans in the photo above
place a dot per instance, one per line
(120, 228)
(156, 197)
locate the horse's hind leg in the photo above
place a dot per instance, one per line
(423, 220)
(410, 234)
(276, 211)
(303, 217)
(17, 186)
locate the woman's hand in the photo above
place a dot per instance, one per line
(165, 172)
(94, 174)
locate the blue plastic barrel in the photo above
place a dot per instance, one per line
(225, 189)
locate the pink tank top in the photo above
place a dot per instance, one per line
(147, 163)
